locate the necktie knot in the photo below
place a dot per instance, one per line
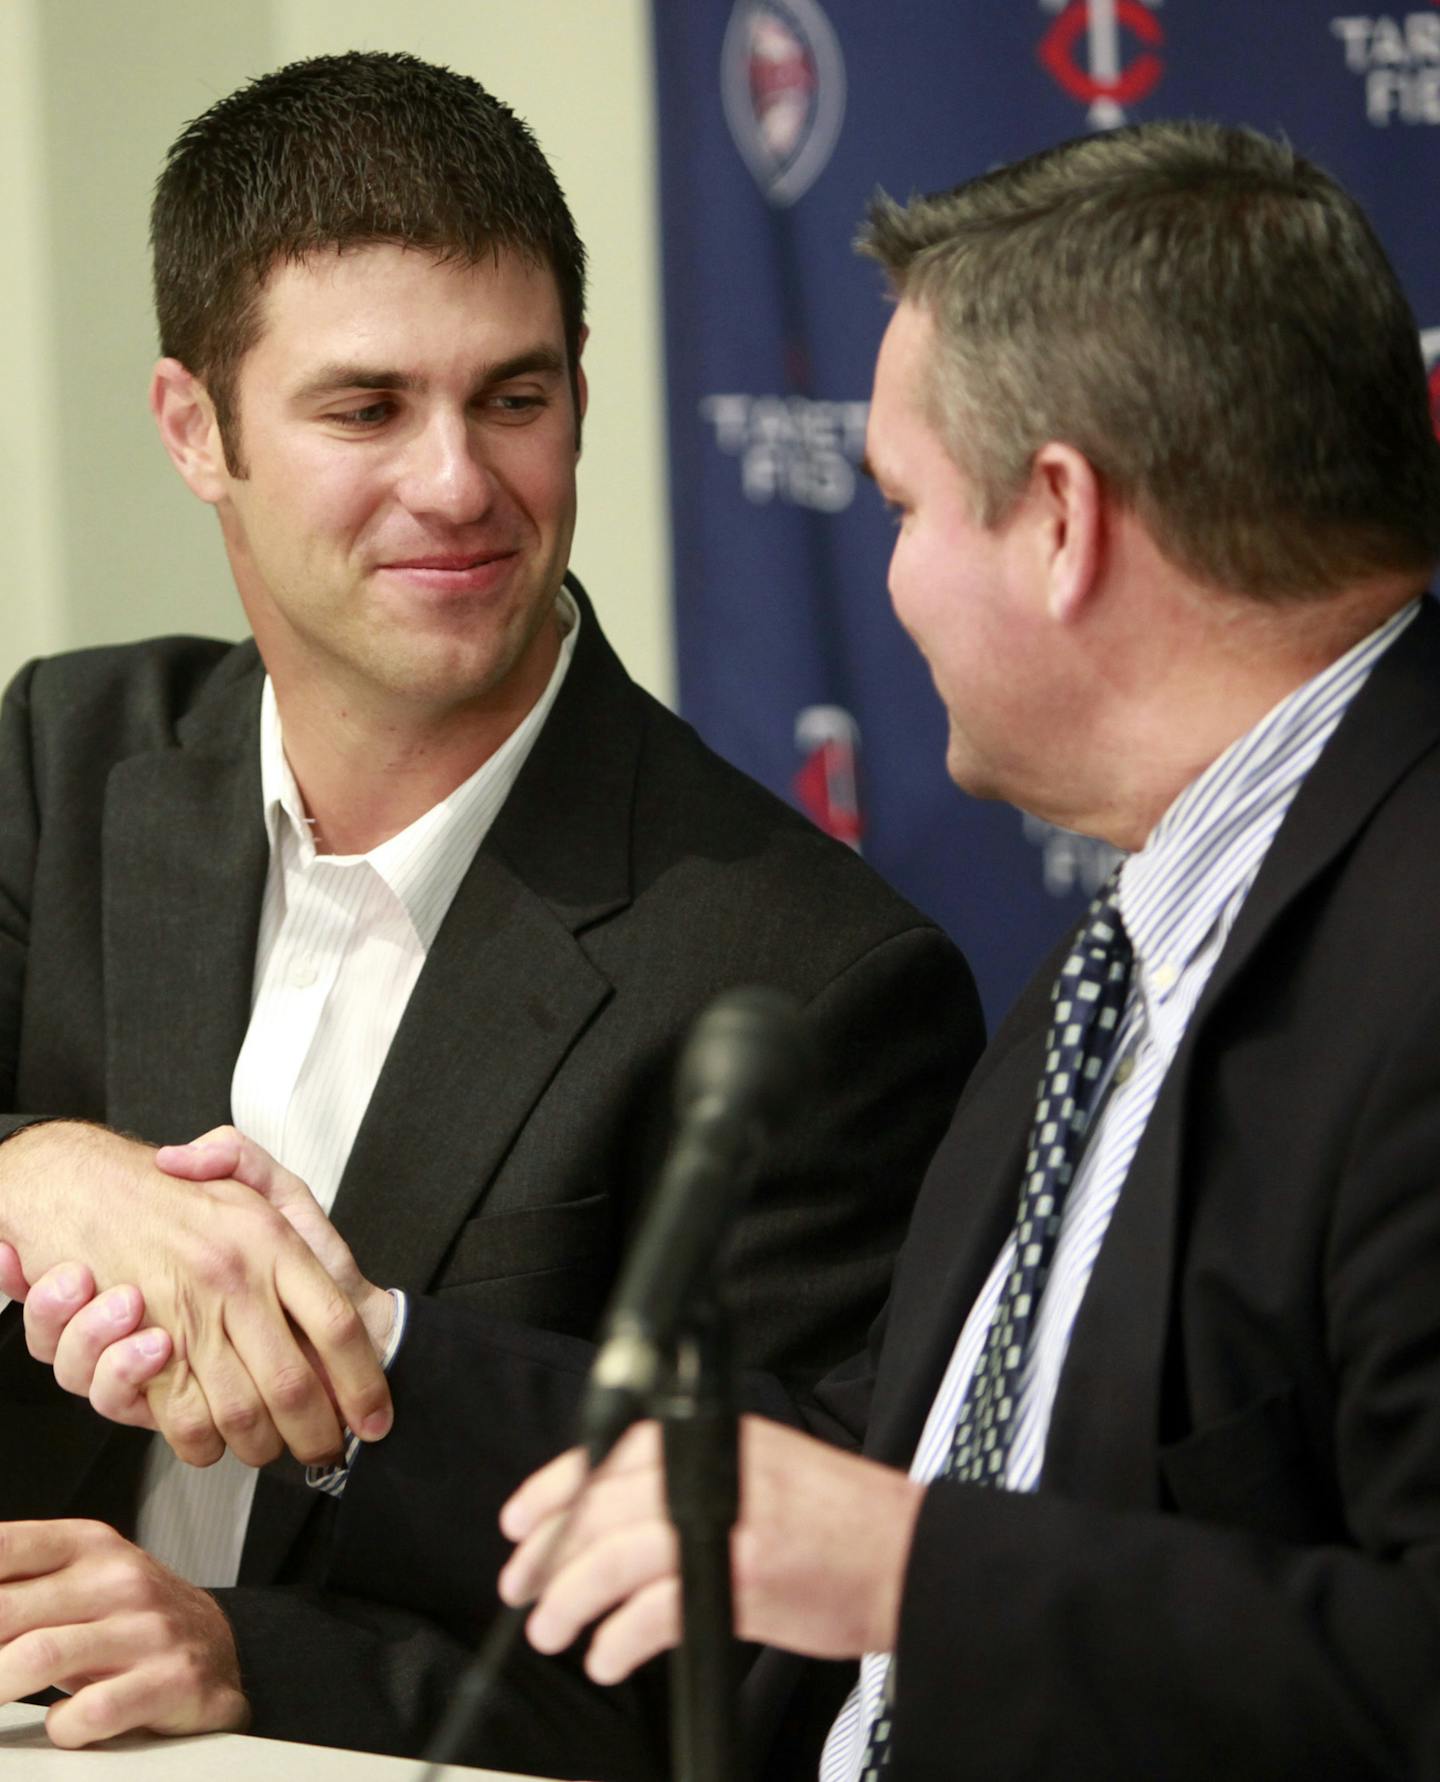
(1089, 997)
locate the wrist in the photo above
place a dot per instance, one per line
(900, 1538)
(48, 1210)
(21, 1153)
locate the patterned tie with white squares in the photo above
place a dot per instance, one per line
(1089, 997)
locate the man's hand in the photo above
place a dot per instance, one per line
(223, 1272)
(227, 1155)
(132, 1645)
(93, 1341)
(818, 1555)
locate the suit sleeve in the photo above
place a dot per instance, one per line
(335, 1670)
(410, 1588)
(809, 1265)
(480, 1404)
(481, 1401)
(1130, 1644)
(410, 1585)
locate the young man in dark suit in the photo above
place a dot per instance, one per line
(416, 886)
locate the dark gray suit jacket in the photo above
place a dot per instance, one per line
(1232, 1565)
(524, 1105)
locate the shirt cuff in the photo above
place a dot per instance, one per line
(331, 1479)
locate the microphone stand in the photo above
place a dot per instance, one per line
(702, 1484)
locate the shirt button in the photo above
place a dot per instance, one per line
(303, 973)
(1124, 1070)
(1163, 977)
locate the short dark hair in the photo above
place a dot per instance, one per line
(335, 152)
(1211, 320)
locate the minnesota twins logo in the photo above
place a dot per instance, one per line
(1097, 72)
(783, 82)
(825, 785)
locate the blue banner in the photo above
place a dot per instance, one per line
(778, 119)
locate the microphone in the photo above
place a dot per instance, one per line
(749, 1057)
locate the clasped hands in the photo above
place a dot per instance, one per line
(819, 1554)
(263, 1333)
(268, 1336)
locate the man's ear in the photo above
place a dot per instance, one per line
(1069, 515)
(582, 387)
(185, 416)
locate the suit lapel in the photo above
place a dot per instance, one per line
(503, 996)
(1099, 1446)
(506, 989)
(505, 992)
(184, 857)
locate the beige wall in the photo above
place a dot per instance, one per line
(30, 618)
(105, 543)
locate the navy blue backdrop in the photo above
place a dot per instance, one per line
(778, 120)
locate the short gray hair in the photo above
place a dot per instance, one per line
(1211, 320)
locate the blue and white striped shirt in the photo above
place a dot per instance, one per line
(1179, 897)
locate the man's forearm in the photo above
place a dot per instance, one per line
(32, 1151)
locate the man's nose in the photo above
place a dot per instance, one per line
(445, 473)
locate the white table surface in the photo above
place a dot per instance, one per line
(26, 1755)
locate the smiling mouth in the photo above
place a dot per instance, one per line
(446, 575)
(449, 563)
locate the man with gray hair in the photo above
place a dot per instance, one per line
(1150, 1482)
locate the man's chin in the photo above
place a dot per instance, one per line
(979, 779)
(442, 674)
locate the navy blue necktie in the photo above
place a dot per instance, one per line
(1089, 998)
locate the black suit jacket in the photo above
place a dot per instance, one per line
(1232, 1565)
(524, 1105)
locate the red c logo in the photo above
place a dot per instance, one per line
(1057, 52)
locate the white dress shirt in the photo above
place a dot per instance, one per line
(342, 941)
(1179, 897)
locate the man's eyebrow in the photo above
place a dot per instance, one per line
(544, 360)
(345, 374)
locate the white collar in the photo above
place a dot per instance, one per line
(424, 863)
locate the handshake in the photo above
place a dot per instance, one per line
(260, 1333)
(199, 1290)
